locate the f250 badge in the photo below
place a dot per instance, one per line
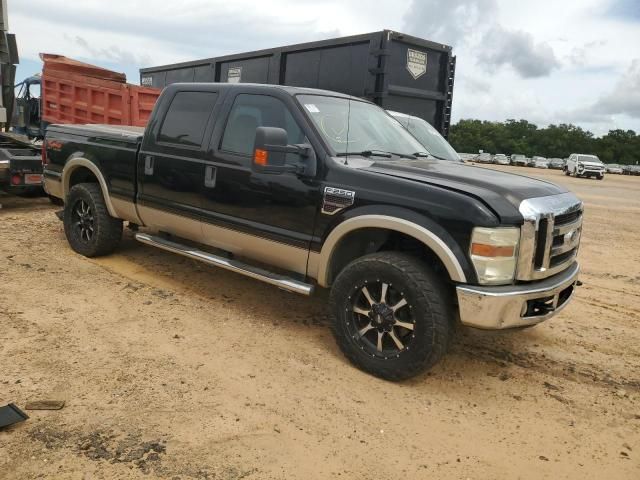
(336, 199)
(416, 63)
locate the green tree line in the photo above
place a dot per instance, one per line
(554, 141)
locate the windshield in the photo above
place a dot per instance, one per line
(430, 138)
(588, 158)
(353, 127)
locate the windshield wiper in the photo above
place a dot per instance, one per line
(377, 153)
(427, 154)
(367, 153)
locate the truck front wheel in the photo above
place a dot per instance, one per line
(391, 315)
(89, 228)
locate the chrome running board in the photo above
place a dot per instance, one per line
(281, 281)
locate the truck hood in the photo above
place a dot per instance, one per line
(503, 192)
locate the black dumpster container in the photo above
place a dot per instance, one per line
(396, 71)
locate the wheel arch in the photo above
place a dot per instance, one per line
(373, 227)
(79, 167)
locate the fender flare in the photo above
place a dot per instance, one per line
(78, 162)
(424, 235)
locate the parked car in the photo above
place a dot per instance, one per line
(304, 188)
(631, 170)
(501, 159)
(518, 160)
(613, 168)
(532, 161)
(556, 163)
(540, 162)
(484, 158)
(582, 165)
(429, 137)
(468, 157)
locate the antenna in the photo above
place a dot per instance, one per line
(346, 162)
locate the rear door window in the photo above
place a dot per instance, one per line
(187, 118)
(252, 111)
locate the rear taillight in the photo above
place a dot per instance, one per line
(16, 179)
(45, 160)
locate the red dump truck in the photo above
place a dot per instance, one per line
(70, 92)
(78, 93)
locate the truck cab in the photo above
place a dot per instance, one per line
(307, 189)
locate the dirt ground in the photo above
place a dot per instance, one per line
(171, 369)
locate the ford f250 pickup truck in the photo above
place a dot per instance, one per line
(303, 188)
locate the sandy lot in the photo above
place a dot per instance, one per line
(171, 369)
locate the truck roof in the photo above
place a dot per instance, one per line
(204, 86)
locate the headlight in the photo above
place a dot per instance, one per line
(494, 253)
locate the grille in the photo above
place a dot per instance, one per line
(550, 235)
(557, 242)
(561, 258)
(567, 218)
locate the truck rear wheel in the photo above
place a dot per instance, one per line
(89, 228)
(391, 315)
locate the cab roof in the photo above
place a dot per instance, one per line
(204, 86)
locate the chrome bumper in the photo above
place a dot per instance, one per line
(512, 306)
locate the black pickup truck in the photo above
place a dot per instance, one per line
(302, 188)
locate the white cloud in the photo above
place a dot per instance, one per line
(542, 60)
(625, 97)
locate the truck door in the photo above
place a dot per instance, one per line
(268, 217)
(171, 165)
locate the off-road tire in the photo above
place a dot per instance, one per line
(107, 231)
(430, 308)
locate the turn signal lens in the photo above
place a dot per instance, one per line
(260, 157)
(483, 250)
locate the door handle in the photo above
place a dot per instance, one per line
(148, 165)
(210, 173)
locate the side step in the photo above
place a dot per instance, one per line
(281, 281)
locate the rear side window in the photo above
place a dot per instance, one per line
(252, 111)
(187, 118)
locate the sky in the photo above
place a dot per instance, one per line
(547, 61)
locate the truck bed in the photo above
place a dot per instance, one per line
(124, 133)
(112, 148)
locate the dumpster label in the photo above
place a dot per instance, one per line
(416, 63)
(234, 75)
(147, 81)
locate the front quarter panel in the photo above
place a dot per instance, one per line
(448, 215)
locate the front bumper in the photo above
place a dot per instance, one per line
(590, 171)
(512, 306)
